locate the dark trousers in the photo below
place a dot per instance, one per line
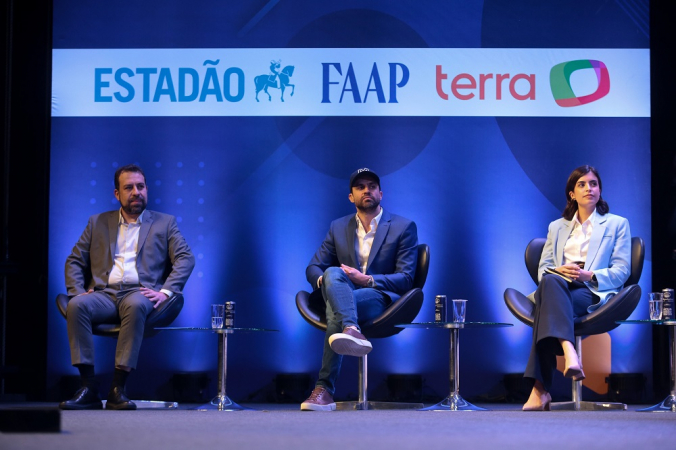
(557, 304)
(130, 307)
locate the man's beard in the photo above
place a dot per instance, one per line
(129, 208)
(369, 208)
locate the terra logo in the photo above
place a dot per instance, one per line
(278, 79)
(559, 80)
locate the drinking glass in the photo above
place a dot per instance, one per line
(655, 302)
(217, 313)
(459, 308)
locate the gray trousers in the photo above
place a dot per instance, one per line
(129, 307)
(557, 304)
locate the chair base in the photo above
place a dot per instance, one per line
(454, 402)
(361, 406)
(152, 404)
(221, 403)
(588, 406)
(666, 405)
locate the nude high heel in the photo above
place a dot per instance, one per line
(575, 372)
(543, 407)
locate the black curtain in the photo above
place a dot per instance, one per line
(24, 197)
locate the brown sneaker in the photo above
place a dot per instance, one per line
(350, 342)
(319, 400)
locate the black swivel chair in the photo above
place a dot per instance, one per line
(404, 310)
(163, 316)
(618, 307)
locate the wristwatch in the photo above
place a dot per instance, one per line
(371, 282)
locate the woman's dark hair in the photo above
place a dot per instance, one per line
(571, 205)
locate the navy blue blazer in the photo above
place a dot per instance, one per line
(392, 261)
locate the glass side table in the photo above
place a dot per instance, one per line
(669, 403)
(454, 402)
(221, 402)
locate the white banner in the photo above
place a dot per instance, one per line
(351, 82)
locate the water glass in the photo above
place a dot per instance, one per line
(217, 313)
(459, 308)
(655, 302)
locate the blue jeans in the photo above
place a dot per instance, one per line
(346, 305)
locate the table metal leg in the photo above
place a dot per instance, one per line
(363, 382)
(669, 403)
(454, 401)
(222, 402)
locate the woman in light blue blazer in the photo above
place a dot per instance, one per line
(589, 249)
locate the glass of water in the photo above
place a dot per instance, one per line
(459, 308)
(655, 302)
(217, 313)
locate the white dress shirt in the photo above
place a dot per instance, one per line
(126, 250)
(364, 241)
(577, 245)
(124, 260)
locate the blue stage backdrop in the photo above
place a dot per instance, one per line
(472, 112)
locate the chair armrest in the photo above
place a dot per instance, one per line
(404, 310)
(312, 308)
(618, 307)
(520, 306)
(166, 313)
(62, 303)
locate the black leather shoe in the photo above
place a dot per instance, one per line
(84, 398)
(117, 399)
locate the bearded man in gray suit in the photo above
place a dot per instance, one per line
(125, 265)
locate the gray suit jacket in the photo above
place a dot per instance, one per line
(164, 260)
(393, 257)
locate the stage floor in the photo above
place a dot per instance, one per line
(284, 426)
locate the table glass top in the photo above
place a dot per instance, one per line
(647, 322)
(217, 330)
(452, 325)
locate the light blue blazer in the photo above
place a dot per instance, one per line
(609, 254)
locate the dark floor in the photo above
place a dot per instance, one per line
(275, 426)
